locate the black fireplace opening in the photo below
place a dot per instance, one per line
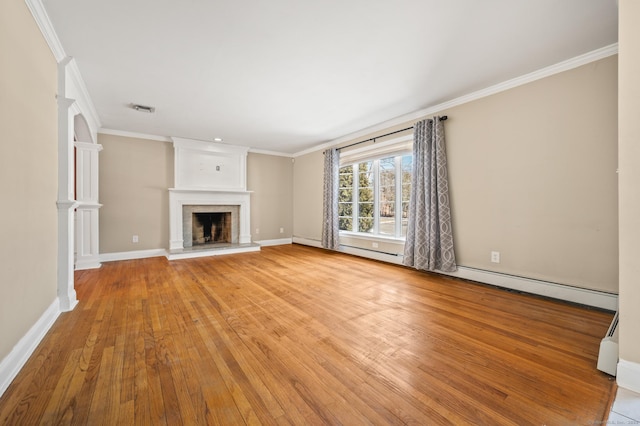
(211, 228)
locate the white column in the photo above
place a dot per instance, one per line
(66, 203)
(87, 212)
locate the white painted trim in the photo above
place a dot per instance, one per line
(583, 296)
(306, 242)
(158, 138)
(369, 254)
(567, 293)
(46, 27)
(569, 64)
(11, 365)
(84, 264)
(267, 152)
(41, 17)
(179, 198)
(372, 254)
(84, 99)
(628, 375)
(190, 254)
(129, 255)
(278, 242)
(133, 135)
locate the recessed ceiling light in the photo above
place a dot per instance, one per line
(217, 139)
(143, 108)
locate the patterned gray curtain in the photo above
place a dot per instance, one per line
(330, 225)
(429, 242)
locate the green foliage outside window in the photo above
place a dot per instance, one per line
(361, 178)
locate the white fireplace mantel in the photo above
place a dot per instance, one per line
(208, 174)
(183, 197)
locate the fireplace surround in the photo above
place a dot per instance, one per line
(208, 177)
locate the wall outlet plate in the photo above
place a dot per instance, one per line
(495, 256)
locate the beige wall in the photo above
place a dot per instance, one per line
(135, 175)
(532, 175)
(28, 174)
(629, 157)
(307, 196)
(271, 180)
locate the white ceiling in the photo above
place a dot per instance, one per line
(286, 75)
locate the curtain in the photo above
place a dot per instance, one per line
(330, 228)
(429, 242)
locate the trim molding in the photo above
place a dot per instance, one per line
(307, 242)
(84, 99)
(46, 27)
(371, 254)
(85, 264)
(628, 375)
(41, 17)
(11, 365)
(567, 65)
(267, 152)
(278, 242)
(130, 255)
(583, 296)
(133, 135)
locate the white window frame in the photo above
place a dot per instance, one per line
(396, 148)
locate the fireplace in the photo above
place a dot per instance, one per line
(211, 228)
(209, 207)
(210, 224)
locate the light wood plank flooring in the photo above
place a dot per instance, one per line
(298, 335)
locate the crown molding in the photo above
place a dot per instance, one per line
(267, 152)
(84, 99)
(567, 65)
(41, 17)
(134, 135)
(44, 23)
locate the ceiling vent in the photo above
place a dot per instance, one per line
(143, 108)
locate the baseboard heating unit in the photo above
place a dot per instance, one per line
(608, 356)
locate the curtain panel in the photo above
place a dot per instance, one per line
(330, 223)
(429, 241)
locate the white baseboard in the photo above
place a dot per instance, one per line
(598, 299)
(129, 255)
(221, 251)
(82, 265)
(628, 375)
(583, 296)
(307, 242)
(372, 254)
(278, 242)
(11, 365)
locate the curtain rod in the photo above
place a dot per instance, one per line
(442, 118)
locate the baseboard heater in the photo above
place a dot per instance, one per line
(608, 356)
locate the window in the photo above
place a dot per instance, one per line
(374, 196)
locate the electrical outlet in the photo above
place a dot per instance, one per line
(374, 245)
(135, 239)
(282, 230)
(495, 256)
(257, 230)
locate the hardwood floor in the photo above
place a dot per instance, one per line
(297, 335)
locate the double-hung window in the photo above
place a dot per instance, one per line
(374, 193)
